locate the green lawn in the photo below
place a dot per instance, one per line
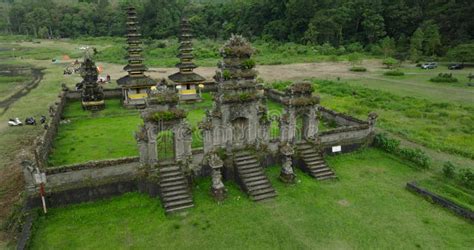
(106, 134)
(367, 208)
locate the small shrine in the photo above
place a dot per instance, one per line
(136, 84)
(187, 82)
(92, 95)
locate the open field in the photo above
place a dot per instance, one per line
(342, 214)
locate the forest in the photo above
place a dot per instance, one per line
(414, 27)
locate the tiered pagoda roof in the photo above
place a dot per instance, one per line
(186, 65)
(135, 67)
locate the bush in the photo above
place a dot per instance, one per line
(394, 73)
(390, 145)
(444, 77)
(358, 69)
(383, 142)
(448, 169)
(415, 155)
(466, 176)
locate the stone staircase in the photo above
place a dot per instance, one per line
(174, 189)
(314, 162)
(252, 177)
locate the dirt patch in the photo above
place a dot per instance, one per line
(344, 203)
(296, 71)
(37, 77)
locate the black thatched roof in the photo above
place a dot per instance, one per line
(189, 65)
(186, 77)
(128, 81)
(130, 67)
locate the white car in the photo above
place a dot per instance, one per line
(430, 65)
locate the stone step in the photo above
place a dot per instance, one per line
(170, 193)
(255, 178)
(246, 162)
(263, 186)
(166, 189)
(251, 175)
(170, 174)
(315, 163)
(263, 197)
(264, 190)
(254, 165)
(250, 170)
(304, 146)
(313, 158)
(178, 203)
(172, 179)
(324, 174)
(171, 210)
(169, 169)
(242, 158)
(256, 183)
(174, 183)
(176, 197)
(320, 170)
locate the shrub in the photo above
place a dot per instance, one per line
(415, 155)
(390, 145)
(444, 77)
(358, 69)
(394, 73)
(248, 64)
(448, 169)
(389, 62)
(383, 142)
(466, 176)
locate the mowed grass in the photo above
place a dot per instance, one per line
(367, 208)
(449, 189)
(88, 136)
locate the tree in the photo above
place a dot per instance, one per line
(388, 46)
(432, 38)
(389, 62)
(416, 45)
(462, 53)
(373, 25)
(354, 58)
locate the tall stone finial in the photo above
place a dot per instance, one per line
(135, 67)
(237, 62)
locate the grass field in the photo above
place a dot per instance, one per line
(367, 208)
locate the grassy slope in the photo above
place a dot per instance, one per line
(367, 207)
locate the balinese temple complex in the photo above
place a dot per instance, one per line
(187, 82)
(136, 84)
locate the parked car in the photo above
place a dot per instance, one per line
(455, 66)
(430, 65)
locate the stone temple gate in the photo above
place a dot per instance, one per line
(299, 102)
(161, 114)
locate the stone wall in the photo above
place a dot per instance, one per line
(457, 209)
(108, 93)
(340, 118)
(44, 142)
(274, 95)
(349, 138)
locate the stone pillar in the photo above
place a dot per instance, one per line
(287, 175)
(218, 189)
(151, 146)
(291, 126)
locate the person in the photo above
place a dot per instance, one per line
(108, 78)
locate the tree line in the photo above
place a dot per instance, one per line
(415, 27)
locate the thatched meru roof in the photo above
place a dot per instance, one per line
(128, 81)
(186, 77)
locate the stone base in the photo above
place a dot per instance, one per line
(219, 194)
(288, 178)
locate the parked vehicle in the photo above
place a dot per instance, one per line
(430, 65)
(455, 66)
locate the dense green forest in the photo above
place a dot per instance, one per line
(421, 27)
